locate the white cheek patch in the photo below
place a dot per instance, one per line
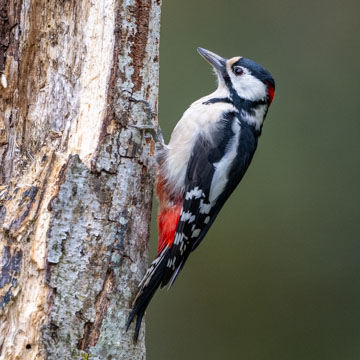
(248, 86)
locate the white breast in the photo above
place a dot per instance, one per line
(198, 118)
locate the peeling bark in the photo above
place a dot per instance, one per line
(76, 174)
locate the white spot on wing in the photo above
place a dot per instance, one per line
(185, 216)
(207, 219)
(179, 238)
(195, 233)
(195, 193)
(182, 248)
(205, 207)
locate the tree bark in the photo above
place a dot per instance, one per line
(78, 81)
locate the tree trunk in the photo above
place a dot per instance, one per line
(78, 80)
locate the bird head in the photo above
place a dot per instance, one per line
(243, 78)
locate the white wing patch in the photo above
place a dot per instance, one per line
(222, 167)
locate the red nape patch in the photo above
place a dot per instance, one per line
(167, 223)
(271, 92)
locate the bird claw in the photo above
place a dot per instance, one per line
(150, 114)
(155, 132)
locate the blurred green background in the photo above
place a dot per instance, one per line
(278, 275)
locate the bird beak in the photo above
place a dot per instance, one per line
(216, 61)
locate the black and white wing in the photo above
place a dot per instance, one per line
(216, 166)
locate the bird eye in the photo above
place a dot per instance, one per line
(238, 70)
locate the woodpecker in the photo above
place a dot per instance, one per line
(209, 151)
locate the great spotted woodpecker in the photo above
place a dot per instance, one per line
(209, 152)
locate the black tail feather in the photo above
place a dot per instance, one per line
(145, 295)
(170, 275)
(140, 316)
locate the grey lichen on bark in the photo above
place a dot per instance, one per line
(78, 81)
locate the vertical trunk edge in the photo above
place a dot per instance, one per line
(76, 174)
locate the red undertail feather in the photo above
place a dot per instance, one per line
(167, 223)
(169, 214)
